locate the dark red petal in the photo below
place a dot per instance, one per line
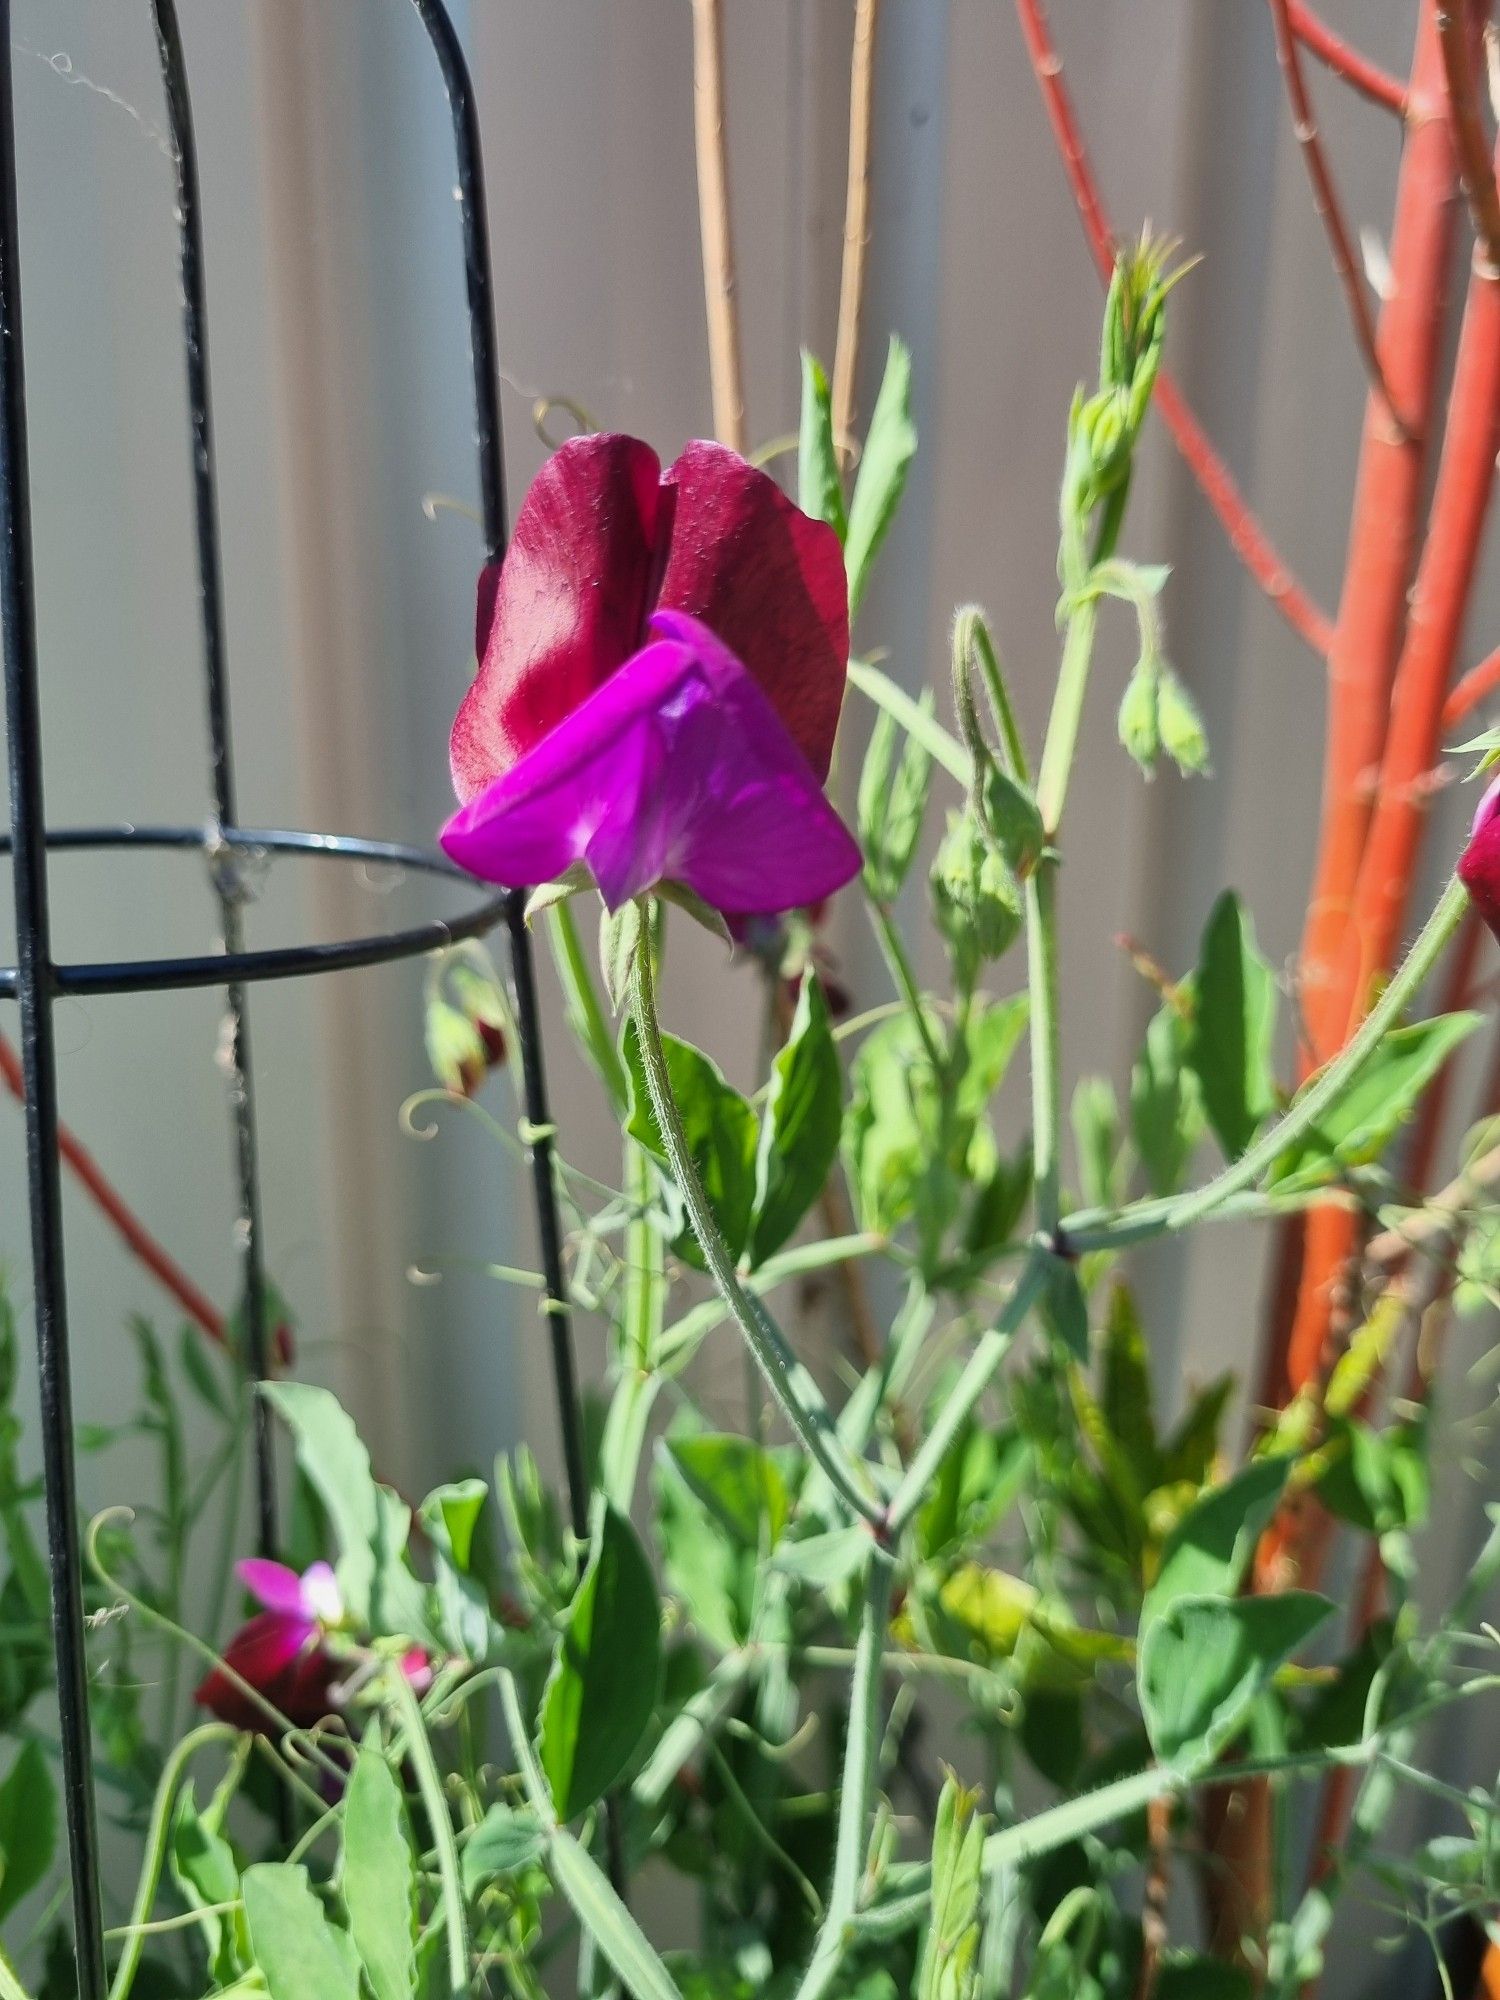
(768, 581)
(569, 605)
(270, 1652)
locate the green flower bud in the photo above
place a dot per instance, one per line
(1182, 732)
(975, 898)
(1140, 716)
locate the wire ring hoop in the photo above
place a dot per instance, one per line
(156, 975)
(36, 980)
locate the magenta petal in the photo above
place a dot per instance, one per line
(1479, 864)
(278, 1588)
(677, 770)
(768, 581)
(568, 605)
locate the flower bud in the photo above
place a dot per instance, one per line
(1182, 732)
(975, 900)
(1140, 716)
(1479, 864)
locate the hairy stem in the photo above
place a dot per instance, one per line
(858, 1782)
(797, 1394)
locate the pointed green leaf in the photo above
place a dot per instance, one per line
(820, 490)
(379, 1878)
(890, 446)
(1204, 1662)
(301, 1954)
(1382, 1096)
(717, 1122)
(1209, 1550)
(28, 1825)
(601, 1691)
(799, 1129)
(1234, 1023)
(607, 1921)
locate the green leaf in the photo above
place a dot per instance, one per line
(607, 1921)
(1166, 1109)
(890, 445)
(980, 1477)
(1209, 1550)
(799, 1129)
(203, 1867)
(1191, 1449)
(1234, 1023)
(602, 1688)
(1125, 1390)
(1205, 1660)
(28, 1825)
(949, 1968)
(740, 1484)
(451, 1513)
(1384, 1092)
(379, 1879)
(824, 1561)
(820, 490)
(719, 1126)
(370, 1523)
(505, 1841)
(893, 792)
(1012, 818)
(1065, 1309)
(301, 1954)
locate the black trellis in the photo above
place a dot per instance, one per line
(37, 980)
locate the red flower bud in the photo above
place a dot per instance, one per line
(1479, 864)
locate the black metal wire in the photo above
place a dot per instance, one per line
(35, 987)
(488, 437)
(157, 975)
(220, 753)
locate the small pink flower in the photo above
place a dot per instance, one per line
(278, 1652)
(1479, 864)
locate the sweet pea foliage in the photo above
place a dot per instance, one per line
(450, 1736)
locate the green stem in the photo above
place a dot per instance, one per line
(158, 1832)
(893, 951)
(435, 1804)
(1046, 1042)
(1067, 713)
(586, 1014)
(1094, 1229)
(991, 1350)
(857, 1786)
(942, 747)
(1000, 702)
(10, 1987)
(796, 1392)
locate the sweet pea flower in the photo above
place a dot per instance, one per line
(662, 660)
(278, 1652)
(1479, 864)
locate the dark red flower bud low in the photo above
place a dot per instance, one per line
(1479, 864)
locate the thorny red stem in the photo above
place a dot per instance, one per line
(1247, 537)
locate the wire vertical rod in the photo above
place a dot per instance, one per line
(39, 1065)
(479, 281)
(225, 868)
